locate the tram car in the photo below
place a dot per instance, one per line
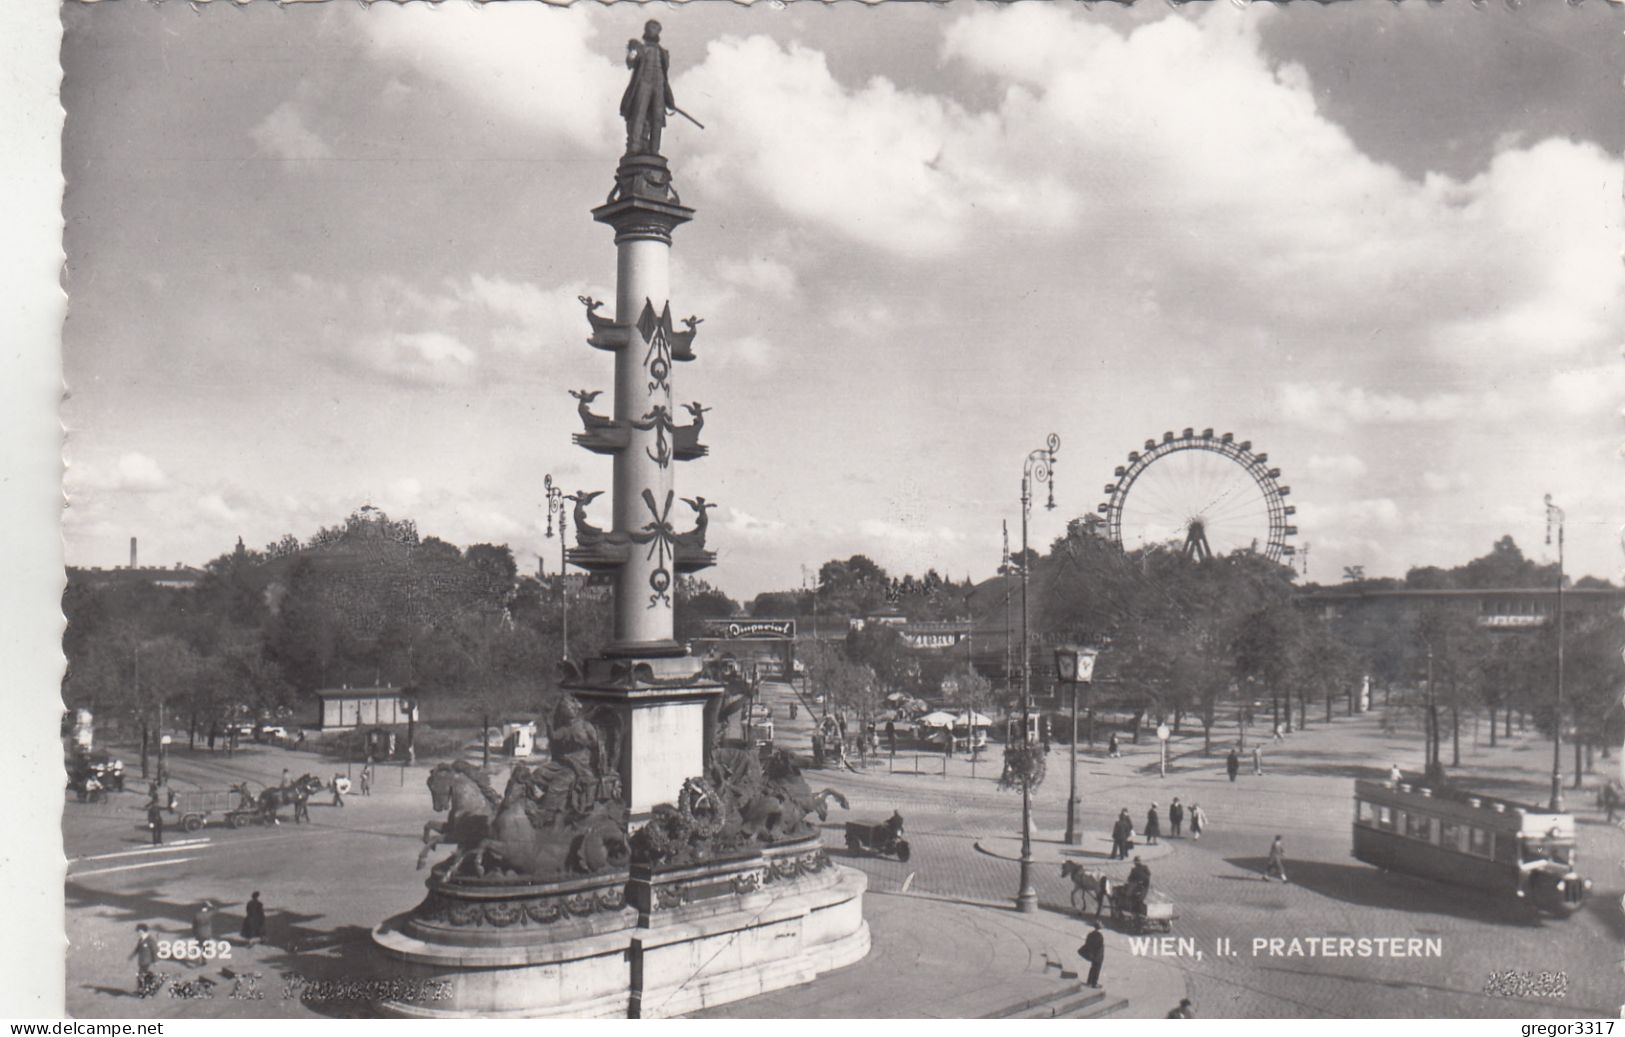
(1457, 836)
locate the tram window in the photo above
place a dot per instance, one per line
(1364, 813)
(1450, 835)
(1385, 817)
(1417, 827)
(1479, 841)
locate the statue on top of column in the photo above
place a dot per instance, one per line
(648, 96)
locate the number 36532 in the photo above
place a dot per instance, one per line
(194, 950)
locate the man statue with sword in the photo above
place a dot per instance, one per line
(648, 96)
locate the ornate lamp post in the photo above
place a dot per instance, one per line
(1037, 468)
(1555, 514)
(1074, 666)
(555, 506)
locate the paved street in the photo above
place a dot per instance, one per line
(327, 883)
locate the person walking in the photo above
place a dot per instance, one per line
(1258, 760)
(1122, 832)
(253, 919)
(202, 930)
(1277, 862)
(155, 821)
(1395, 775)
(1093, 951)
(1198, 820)
(1278, 737)
(792, 711)
(1610, 801)
(301, 805)
(146, 956)
(1153, 826)
(341, 785)
(1103, 894)
(1176, 817)
(891, 737)
(366, 778)
(1232, 764)
(1111, 746)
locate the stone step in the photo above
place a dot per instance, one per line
(1043, 1006)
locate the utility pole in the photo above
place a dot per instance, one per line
(1554, 514)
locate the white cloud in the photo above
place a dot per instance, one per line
(530, 63)
(428, 358)
(212, 506)
(139, 473)
(1350, 519)
(1335, 405)
(1446, 482)
(759, 274)
(749, 525)
(284, 135)
(1336, 466)
(900, 170)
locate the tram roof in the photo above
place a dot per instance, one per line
(1413, 789)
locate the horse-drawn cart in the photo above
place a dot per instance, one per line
(195, 806)
(1131, 911)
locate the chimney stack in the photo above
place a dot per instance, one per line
(132, 552)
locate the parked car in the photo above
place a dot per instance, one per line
(271, 733)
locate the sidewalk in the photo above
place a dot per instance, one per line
(940, 958)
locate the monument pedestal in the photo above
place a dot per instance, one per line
(727, 930)
(652, 944)
(499, 949)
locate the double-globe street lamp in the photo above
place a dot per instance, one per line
(555, 506)
(1074, 666)
(1554, 514)
(1038, 467)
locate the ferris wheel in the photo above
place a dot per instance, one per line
(1205, 492)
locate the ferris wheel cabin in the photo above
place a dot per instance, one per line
(1456, 836)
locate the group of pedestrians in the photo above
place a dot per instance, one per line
(1123, 827)
(1232, 762)
(205, 922)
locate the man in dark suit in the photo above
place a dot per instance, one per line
(1093, 951)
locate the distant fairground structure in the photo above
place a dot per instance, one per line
(1209, 493)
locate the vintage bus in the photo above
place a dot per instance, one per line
(1456, 836)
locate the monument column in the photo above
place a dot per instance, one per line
(643, 217)
(645, 691)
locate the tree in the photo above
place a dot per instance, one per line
(882, 649)
(698, 601)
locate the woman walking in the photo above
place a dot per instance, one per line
(1198, 819)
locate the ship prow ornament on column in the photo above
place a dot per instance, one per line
(644, 869)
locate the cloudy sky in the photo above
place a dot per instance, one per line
(328, 255)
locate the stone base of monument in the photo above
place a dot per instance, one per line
(660, 944)
(500, 948)
(731, 929)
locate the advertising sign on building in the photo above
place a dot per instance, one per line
(739, 629)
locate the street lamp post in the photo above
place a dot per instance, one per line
(1075, 666)
(555, 506)
(1555, 514)
(1037, 468)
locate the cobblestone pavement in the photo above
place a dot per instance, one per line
(328, 883)
(1305, 795)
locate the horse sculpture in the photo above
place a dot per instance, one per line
(559, 818)
(463, 793)
(743, 799)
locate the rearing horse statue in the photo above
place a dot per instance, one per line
(464, 793)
